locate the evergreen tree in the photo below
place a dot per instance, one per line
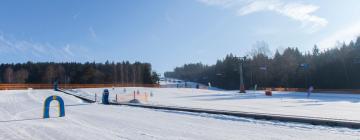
(333, 68)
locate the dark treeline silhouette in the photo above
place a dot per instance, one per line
(78, 73)
(336, 68)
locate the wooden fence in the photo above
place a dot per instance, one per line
(50, 86)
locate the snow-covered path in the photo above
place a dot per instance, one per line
(20, 118)
(336, 106)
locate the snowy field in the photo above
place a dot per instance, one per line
(335, 106)
(21, 111)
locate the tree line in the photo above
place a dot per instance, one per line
(78, 73)
(336, 68)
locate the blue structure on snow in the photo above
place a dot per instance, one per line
(47, 106)
(56, 85)
(105, 97)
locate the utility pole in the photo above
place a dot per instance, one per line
(242, 84)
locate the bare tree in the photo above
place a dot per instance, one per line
(60, 73)
(260, 48)
(122, 73)
(9, 75)
(21, 76)
(50, 74)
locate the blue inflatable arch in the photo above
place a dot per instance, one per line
(47, 106)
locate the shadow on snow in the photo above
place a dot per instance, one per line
(315, 97)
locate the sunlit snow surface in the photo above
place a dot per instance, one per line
(21, 111)
(336, 106)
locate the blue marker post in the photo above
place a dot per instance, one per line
(105, 97)
(47, 106)
(56, 85)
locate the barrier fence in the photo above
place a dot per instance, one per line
(70, 86)
(141, 96)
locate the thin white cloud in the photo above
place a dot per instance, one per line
(222, 3)
(21, 50)
(303, 13)
(92, 33)
(345, 34)
(68, 50)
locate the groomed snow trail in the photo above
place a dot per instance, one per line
(323, 105)
(21, 111)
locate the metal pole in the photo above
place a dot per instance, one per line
(134, 95)
(242, 87)
(307, 79)
(251, 79)
(95, 97)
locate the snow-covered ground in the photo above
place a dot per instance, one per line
(21, 111)
(335, 106)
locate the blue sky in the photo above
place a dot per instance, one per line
(168, 33)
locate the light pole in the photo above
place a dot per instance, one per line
(242, 86)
